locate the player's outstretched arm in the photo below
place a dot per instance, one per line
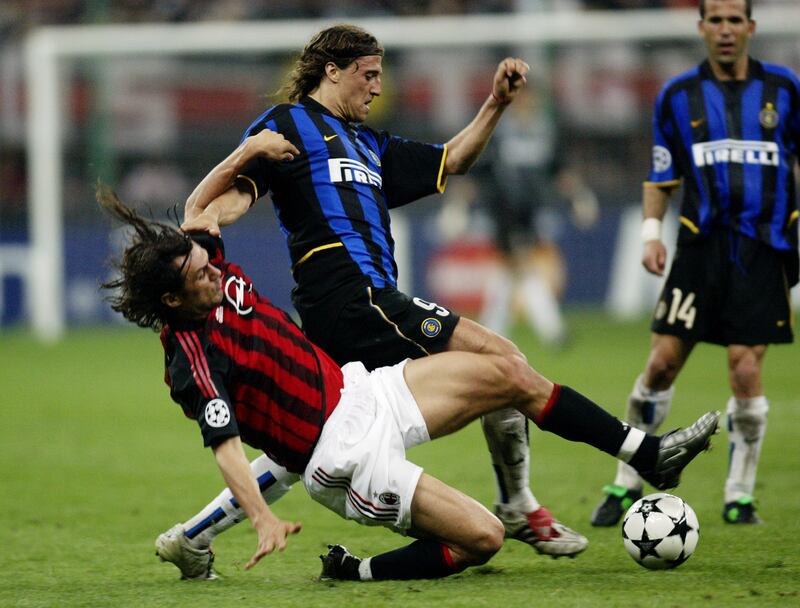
(272, 531)
(266, 143)
(465, 148)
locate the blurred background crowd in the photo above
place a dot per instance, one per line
(153, 126)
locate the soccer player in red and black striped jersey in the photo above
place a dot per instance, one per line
(246, 373)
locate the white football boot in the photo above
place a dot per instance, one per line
(194, 563)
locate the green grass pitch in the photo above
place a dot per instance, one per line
(96, 461)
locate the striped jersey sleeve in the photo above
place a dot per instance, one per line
(196, 378)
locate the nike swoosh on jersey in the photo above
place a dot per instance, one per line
(329, 137)
(696, 123)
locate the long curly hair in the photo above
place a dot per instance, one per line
(147, 269)
(341, 44)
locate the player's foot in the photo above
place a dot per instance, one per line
(541, 531)
(678, 448)
(339, 564)
(618, 500)
(193, 562)
(741, 511)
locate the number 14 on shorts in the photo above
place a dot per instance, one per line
(681, 309)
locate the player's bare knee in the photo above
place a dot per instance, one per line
(744, 374)
(486, 542)
(661, 371)
(526, 385)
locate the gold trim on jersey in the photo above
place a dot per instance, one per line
(253, 184)
(793, 217)
(317, 250)
(393, 324)
(690, 224)
(441, 179)
(673, 183)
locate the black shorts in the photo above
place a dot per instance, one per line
(378, 327)
(726, 289)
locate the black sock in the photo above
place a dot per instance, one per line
(572, 416)
(420, 559)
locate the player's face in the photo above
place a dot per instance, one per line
(359, 84)
(202, 284)
(726, 31)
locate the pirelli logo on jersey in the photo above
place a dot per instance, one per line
(743, 152)
(349, 170)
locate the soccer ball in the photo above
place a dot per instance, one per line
(660, 531)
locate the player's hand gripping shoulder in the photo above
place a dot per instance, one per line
(216, 189)
(654, 257)
(270, 145)
(509, 79)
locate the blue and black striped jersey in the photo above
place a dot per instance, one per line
(336, 194)
(735, 146)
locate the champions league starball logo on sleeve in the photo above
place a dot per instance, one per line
(217, 413)
(662, 159)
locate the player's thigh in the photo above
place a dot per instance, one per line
(443, 513)
(452, 389)
(473, 337)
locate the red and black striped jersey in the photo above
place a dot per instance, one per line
(249, 370)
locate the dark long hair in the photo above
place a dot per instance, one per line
(147, 269)
(341, 44)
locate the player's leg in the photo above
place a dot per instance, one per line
(648, 405)
(453, 532)
(506, 433)
(451, 389)
(756, 312)
(747, 423)
(498, 294)
(543, 275)
(188, 544)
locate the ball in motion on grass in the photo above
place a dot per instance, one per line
(660, 531)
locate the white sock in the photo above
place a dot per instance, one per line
(497, 301)
(646, 411)
(747, 423)
(224, 512)
(365, 569)
(506, 433)
(542, 309)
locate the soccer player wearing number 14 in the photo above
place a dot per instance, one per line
(730, 130)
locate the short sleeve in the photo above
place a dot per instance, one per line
(411, 170)
(663, 171)
(255, 173)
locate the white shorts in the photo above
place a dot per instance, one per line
(359, 468)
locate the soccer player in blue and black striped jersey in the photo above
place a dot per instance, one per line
(729, 131)
(332, 195)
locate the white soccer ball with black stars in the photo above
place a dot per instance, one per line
(660, 531)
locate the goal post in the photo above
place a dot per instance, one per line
(47, 48)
